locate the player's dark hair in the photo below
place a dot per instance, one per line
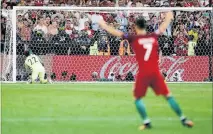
(191, 37)
(140, 22)
(26, 53)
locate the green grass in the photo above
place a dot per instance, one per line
(100, 109)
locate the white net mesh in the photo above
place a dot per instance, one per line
(6, 46)
(74, 48)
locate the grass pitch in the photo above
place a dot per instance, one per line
(100, 109)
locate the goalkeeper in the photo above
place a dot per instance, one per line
(34, 64)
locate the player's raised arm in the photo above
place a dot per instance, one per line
(110, 29)
(26, 67)
(166, 22)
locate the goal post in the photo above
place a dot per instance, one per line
(14, 43)
(67, 61)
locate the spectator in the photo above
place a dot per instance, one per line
(131, 29)
(194, 32)
(109, 17)
(71, 3)
(41, 27)
(39, 2)
(80, 29)
(181, 44)
(165, 4)
(178, 20)
(203, 45)
(196, 3)
(204, 3)
(139, 3)
(47, 21)
(85, 37)
(153, 26)
(191, 22)
(25, 32)
(118, 78)
(68, 27)
(75, 23)
(73, 77)
(87, 29)
(94, 76)
(62, 4)
(58, 17)
(95, 18)
(191, 46)
(103, 45)
(122, 21)
(47, 2)
(157, 3)
(53, 29)
(176, 77)
(131, 19)
(122, 3)
(204, 21)
(180, 28)
(94, 3)
(124, 48)
(4, 5)
(82, 20)
(180, 3)
(164, 74)
(111, 76)
(166, 45)
(105, 3)
(94, 49)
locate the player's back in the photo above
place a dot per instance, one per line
(146, 52)
(33, 62)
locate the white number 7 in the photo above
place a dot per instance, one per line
(147, 44)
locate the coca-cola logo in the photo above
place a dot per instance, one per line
(114, 65)
(119, 66)
(175, 66)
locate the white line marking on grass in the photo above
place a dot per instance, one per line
(50, 119)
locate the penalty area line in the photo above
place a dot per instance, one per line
(74, 119)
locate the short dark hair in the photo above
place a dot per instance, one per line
(26, 53)
(140, 22)
(191, 37)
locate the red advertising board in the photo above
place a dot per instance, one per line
(186, 68)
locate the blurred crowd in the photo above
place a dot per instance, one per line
(8, 4)
(77, 33)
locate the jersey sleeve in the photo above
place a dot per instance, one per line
(157, 32)
(26, 66)
(25, 63)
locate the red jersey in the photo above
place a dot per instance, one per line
(146, 51)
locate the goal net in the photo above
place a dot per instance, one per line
(6, 47)
(74, 48)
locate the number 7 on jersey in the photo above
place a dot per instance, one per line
(147, 44)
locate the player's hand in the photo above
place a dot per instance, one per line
(169, 15)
